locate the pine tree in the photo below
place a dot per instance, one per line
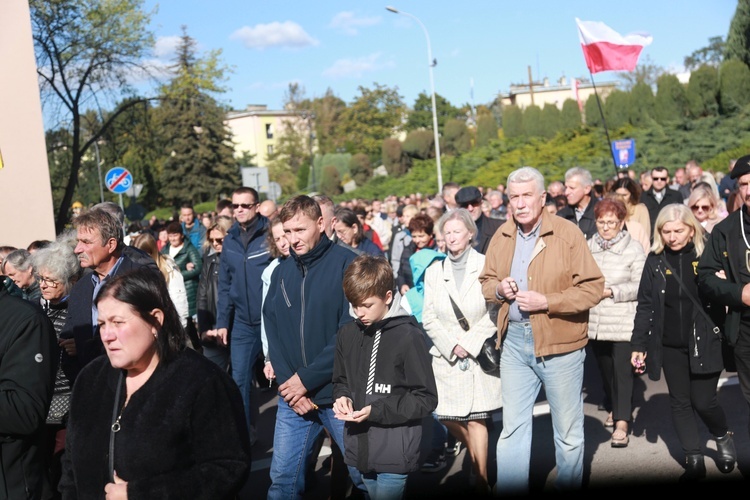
(570, 117)
(200, 160)
(670, 103)
(738, 40)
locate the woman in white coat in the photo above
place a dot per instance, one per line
(466, 395)
(621, 259)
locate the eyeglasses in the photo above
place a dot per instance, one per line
(705, 208)
(246, 206)
(47, 281)
(217, 241)
(607, 223)
(659, 178)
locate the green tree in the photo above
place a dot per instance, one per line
(328, 111)
(330, 183)
(393, 157)
(86, 52)
(294, 142)
(734, 85)
(420, 144)
(486, 129)
(421, 115)
(738, 38)
(617, 109)
(711, 54)
(570, 116)
(670, 103)
(512, 125)
(532, 121)
(200, 161)
(703, 92)
(373, 116)
(592, 112)
(360, 168)
(550, 120)
(456, 138)
(641, 104)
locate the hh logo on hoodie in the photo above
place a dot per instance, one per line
(383, 388)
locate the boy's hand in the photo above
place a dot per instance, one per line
(342, 408)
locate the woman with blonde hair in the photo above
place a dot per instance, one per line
(675, 331)
(705, 206)
(170, 271)
(207, 296)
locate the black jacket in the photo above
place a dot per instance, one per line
(726, 251)
(402, 391)
(208, 293)
(78, 324)
(703, 344)
(28, 363)
(304, 308)
(654, 207)
(183, 433)
(587, 224)
(486, 228)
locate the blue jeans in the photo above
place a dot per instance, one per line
(293, 439)
(244, 347)
(523, 375)
(385, 485)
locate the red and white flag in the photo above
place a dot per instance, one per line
(606, 50)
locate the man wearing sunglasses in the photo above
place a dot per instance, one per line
(659, 195)
(244, 256)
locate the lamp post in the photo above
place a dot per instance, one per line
(431, 63)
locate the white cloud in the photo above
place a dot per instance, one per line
(348, 22)
(166, 46)
(357, 67)
(285, 35)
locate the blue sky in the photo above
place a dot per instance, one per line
(346, 44)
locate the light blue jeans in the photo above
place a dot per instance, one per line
(385, 485)
(523, 375)
(293, 439)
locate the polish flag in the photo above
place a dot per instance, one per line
(606, 50)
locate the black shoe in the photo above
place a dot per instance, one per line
(435, 461)
(695, 468)
(727, 453)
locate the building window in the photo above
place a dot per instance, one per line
(269, 131)
(269, 149)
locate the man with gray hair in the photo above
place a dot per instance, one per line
(541, 272)
(580, 209)
(100, 251)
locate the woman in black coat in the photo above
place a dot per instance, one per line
(671, 333)
(208, 292)
(152, 419)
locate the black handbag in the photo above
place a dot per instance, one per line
(489, 356)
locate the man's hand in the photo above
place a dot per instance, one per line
(292, 390)
(220, 334)
(69, 345)
(746, 295)
(356, 416)
(507, 288)
(530, 301)
(304, 405)
(269, 373)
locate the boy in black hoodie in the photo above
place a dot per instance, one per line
(383, 385)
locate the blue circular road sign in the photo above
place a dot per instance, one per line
(118, 180)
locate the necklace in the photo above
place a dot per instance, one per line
(116, 426)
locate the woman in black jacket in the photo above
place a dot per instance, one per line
(208, 288)
(678, 337)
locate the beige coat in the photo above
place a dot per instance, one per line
(622, 266)
(459, 392)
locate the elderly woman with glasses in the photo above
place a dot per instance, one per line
(705, 206)
(17, 266)
(57, 270)
(620, 258)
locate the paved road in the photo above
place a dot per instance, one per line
(651, 463)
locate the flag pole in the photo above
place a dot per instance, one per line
(604, 122)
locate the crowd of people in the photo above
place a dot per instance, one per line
(369, 318)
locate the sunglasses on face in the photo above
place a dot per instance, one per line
(659, 178)
(246, 206)
(705, 208)
(216, 241)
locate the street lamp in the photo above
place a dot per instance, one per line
(431, 63)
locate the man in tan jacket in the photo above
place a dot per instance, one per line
(539, 268)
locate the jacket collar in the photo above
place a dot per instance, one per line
(314, 255)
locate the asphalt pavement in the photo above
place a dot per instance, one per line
(650, 465)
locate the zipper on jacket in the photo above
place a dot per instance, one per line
(302, 315)
(283, 292)
(695, 342)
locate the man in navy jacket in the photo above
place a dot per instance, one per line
(304, 309)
